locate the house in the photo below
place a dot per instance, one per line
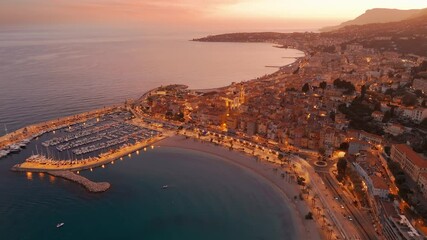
(394, 129)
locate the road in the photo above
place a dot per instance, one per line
(361, 219)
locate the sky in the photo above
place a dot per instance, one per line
(256, 14)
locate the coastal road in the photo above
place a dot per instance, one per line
(362, 220)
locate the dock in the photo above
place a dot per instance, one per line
(91, 186)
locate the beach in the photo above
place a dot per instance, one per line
(305, 229)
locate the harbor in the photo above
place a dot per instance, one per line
(93, 143)
(15, 141)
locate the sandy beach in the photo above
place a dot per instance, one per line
(305, 229)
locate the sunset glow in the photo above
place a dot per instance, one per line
(189, 12)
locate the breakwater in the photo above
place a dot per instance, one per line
(88, 184)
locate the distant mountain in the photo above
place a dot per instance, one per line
(379, 15)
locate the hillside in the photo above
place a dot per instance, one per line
(407, 36)
(377, 15)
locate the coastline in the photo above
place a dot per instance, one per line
(304, 229)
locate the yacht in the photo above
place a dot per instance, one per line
(59, 225)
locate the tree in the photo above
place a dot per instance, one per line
(323, 85)
(305, 88)
(344, 146)
(387, 117)
(362, 92)
(332, 115)
(309, 216)
(419, 93)
(389, 92)
(409, 100)
(341, 167)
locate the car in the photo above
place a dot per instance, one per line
(350, 218)
(342, 206)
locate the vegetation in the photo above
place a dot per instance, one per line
(305, 88)
(323, 85)
(400, 180)
(342, 84)
(344, 146)
(409, 100)
(342, 168)
(360, 118)
(309, 216)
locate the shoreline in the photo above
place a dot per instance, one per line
(304, 229)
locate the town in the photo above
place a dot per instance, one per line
(357, 114)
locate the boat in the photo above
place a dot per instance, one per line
(59, 225)
(14, 148)
(3, 153)
(165, 186)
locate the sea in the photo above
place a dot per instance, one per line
(49, 73)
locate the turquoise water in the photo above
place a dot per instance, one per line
(206, 199)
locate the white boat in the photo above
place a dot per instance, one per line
(3, 153)
(14, 148)
(165, 186)
(59, 225)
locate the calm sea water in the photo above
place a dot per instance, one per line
(206, 199)
(51, 73)
(47, 74)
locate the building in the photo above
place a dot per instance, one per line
(355, 146)
(378, 186)
(422, 184)
(420, 84)
(371, 138)
(415, 114)
(394, 129)
(412, 163)
(369, 167)
(394, 225)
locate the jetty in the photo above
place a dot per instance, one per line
(91, 186)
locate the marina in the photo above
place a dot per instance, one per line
(89, 144)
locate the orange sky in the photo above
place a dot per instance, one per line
(194, 13)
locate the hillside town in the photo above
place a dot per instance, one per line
(360, 111)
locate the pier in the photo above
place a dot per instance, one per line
(91, 186)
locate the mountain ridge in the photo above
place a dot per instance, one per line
(379, 15)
